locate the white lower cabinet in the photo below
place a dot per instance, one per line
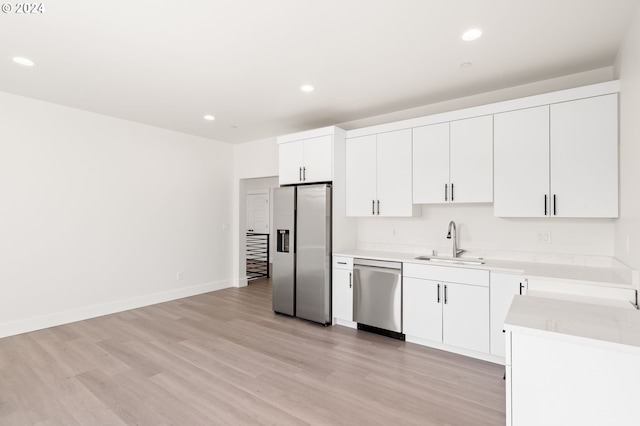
(342, 288)
(503, 288)
(465, 316)
(422, 308)
(442, 311)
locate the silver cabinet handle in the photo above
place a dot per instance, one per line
(451, 192)
(350, 281)
(373, 207)
(545, 204)
(438, 293)
(446, 187)
(300, 174)
(378, 207)
(445, 294)
(555, 205)
(304, 173)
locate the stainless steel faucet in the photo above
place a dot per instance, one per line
(456, 250)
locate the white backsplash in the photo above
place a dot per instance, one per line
(583, 242)
(520, 256)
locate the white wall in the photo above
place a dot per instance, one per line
(628, 70)
(99, 214)
(257, 159)
(599, 75)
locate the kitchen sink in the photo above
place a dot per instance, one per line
(454, 260)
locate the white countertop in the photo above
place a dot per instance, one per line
(595, 324)
(566, 273)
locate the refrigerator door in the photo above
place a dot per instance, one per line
(313, 251)
(284, 204)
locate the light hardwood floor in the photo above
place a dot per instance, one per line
(226, 358)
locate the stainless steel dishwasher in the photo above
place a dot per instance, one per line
(377, 296)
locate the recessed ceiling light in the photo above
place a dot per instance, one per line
(23, 61)
(209, 117)
(471, 34)
(466, 65)
(307, 88)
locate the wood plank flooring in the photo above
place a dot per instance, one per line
(225, 358)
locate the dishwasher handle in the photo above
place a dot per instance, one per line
(378, 269)
(377, 263)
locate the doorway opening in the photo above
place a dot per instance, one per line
(257, 220)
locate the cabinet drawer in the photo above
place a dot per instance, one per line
(342, 262)
(446, 273)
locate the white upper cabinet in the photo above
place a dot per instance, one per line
(394, 174)
(430, 163)
(521, 154)
(453, 162)
(306, 161)
(290, 162)
(378, 175)
(559, 160)
(471, 160)
(361, 158)
(584, 157)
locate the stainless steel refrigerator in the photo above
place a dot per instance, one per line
(302, 260)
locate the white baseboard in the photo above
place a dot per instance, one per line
(344, 323)
(242, 282)
(51, 320)
(460, 351)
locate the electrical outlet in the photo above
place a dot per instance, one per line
(544, 237)
(179, 276)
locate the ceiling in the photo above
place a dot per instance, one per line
(168, 64)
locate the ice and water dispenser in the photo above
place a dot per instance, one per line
(283, 241)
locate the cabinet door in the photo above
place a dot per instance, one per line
(465, 316)
(361, 175)
(317, 159)
(502, 289)
(290, 162)
(584, 157)
(430, 163)
(422, 308)
(521, 154)
(343, 294)
(394, 174)
(471, 160)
